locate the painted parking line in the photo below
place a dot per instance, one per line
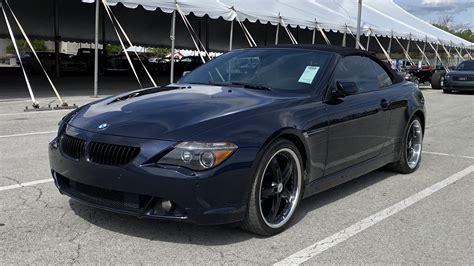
(28, 134)
(27, 184)
(36, 112)
(448, 155)
(343, 235)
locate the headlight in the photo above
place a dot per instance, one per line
(198, 156)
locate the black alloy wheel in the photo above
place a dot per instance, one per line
(276, 191)
(411, 149)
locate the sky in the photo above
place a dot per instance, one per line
(431, 10)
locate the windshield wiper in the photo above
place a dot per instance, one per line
(242, 84)
(252, 86)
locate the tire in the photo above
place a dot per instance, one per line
(447, 91)
(407, 164)
(260, 219)
(436, 80)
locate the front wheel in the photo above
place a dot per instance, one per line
(411, 149)
(276, 191)
(437, 80)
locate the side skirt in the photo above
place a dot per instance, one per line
(330, 181)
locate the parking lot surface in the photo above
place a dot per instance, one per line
(38, 225)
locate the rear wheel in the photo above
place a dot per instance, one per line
(410, 154)
(276, 190)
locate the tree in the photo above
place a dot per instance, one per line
(159, 52)
(466, 35)
(113, 49)
(38, 45)
(447, 23)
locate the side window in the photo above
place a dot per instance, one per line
(382, 75)
(360, 70)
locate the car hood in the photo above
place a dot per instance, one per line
(173, 113)
(461, 73)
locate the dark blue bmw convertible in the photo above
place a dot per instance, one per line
(243, 138)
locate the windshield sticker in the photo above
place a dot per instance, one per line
(309, 74)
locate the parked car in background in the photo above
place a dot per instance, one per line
(86, 56)
(120, 63)
(460, 79)
(67, 63)
(187, 63)
(157, 60)
(243, 138)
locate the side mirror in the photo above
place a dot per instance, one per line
(185, 73)
(345, 88)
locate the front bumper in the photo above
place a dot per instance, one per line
(216, 196)
(459, 85)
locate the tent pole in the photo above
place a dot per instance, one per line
(344, 37)
(436, 58)
(408, 45)
(172, 37)
(424, 49)
(450, 49)
(56, 38)
(277, 33)
(390, 45)
(314, 36)
(231, 37)
(408, 48)
(368, 39)
(359, 18)
(96, 51)
(207, 32)
(103, 30)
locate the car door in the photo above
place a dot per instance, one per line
(358, 123)
(393, 91)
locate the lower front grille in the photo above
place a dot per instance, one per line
(463, 78)
(104, 197)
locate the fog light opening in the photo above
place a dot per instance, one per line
(163, 206)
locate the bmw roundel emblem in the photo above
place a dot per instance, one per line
(103, 126)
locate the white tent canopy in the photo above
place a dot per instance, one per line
(382, 17)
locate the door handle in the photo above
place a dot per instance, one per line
(385, 104)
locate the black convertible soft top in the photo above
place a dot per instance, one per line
(342, 51)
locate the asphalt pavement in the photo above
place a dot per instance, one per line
(382, 217)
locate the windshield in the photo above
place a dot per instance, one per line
(271, 68)
(466, 66)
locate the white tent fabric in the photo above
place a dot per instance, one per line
(200, 8)
(382, 17)
(433, 33)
